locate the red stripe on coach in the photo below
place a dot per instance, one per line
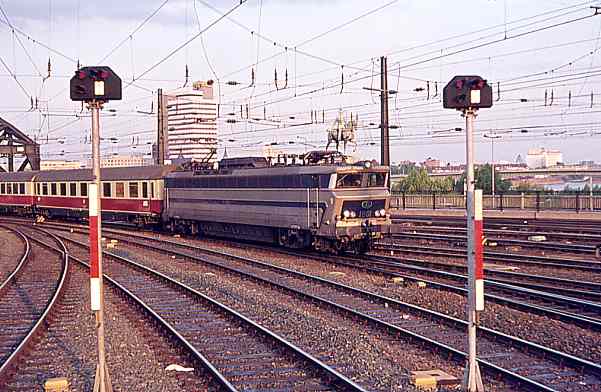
(478, 248)
(94, 273)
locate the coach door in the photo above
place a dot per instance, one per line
(145, 194)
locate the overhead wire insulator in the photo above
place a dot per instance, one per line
(275, 78)
(592, 97)
(569, 99)
(498, 91)
(428, 89)
(546, 95)
(551, 104)
(49, 71)
(252, 77)
(187, 76)
(342, 79)
(435, 89)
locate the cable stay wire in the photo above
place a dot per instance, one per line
(134, 31)
(444, 55)
(186, 43)
(311, 39)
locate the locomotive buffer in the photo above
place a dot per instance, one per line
(95, 86)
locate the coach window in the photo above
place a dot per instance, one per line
(37, 189)
(9, 189)
(63, 189)
(22, 188)
(119, 189)
(145, 190)
(2, 189)
(152, 190)
(53, 188)
(83, 189)
(72, 189)
(106, 189)
(45, 188)
(133, 190)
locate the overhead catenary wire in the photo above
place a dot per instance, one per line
(134, 31)
(187, 42)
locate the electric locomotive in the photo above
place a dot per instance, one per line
(331, 207)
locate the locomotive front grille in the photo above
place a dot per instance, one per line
(364, 208)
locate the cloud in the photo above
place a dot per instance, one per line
(67, 10)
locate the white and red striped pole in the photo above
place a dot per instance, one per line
(472, 378)
(102, 381)
(479, 250)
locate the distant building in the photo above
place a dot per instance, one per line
(125, 161)
(192, 123)
(542, 158)
(430, 164)
(60, 165)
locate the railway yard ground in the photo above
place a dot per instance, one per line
(244, 316)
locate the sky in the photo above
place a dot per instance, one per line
(526, 49)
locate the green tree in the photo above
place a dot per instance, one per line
(483, 175)
(418, 181)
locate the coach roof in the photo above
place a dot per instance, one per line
(107, 174)
(26, 176)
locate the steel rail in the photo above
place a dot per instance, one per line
(559, 356)
(522, 259)
(12, 359)
(22, 260)
(585, 321)
(532, 244)
(339, 379)
(595, 294)
(224, 383)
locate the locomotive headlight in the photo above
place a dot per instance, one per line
(346, 213)
(377, 213)
(353, 214)
(382, 212)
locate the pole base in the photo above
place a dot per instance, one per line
(102, 384)
(472, 380)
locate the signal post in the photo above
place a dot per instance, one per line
(95, 86)
(468, 94)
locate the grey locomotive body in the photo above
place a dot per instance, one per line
(326, 207)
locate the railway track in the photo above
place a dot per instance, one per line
(532, 365)
(27, 297)
(576, 288)
(574, 310)
(553, 246)
(582, 239)
(571, 226)
(498, 257)
(247, 355)
(585, 313)
(14, 247)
